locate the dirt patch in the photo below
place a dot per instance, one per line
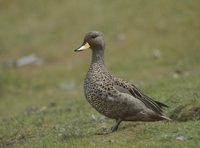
(186, 112)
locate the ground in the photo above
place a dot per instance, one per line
(153, 44)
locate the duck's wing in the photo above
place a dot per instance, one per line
(131, 89)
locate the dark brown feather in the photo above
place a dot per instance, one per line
(154, 105)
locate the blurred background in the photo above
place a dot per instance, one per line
(153, 44)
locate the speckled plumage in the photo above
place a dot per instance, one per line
(112, 96)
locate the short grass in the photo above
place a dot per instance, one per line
(44, 106)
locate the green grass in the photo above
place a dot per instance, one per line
(44, 106)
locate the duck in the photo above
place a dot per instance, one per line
(114, 97)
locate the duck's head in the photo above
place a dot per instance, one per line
(93, 40)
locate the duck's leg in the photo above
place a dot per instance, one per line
(115, 126)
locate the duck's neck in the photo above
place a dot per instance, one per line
(98, 57)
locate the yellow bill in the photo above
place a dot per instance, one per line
(83, 47)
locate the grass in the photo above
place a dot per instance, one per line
(44, 106)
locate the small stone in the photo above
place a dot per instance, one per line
(180, 137)
(93, 117)
(56, 126)
(29, 60)
(32, 109)
(43, 108)
(156, 53)
(177, 73)
(111, 141)
(175, 76)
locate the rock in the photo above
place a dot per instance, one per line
(43, 108)
(177, 73)
(156, 53)
(29, 60)
(180, 137)
(93, 118)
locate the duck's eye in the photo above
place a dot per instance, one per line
(94, 36)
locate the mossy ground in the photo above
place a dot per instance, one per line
(154, 44)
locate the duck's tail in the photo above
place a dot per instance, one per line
(165, 118)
